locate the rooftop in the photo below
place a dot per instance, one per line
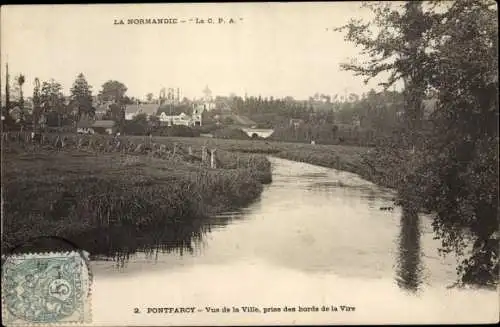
(147, 108)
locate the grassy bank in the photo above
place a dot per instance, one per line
(363, 161)
(70, 193)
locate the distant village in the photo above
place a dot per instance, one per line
(348, 118)
(166, 109)
(169, 100)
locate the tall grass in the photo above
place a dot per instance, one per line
(70, 193)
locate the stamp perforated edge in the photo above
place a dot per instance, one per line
(86, 259)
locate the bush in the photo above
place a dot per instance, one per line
(176, 130)
(231, 133)
(207, 129)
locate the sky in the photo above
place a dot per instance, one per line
(272, 49)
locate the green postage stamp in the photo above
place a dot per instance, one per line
(47, 288)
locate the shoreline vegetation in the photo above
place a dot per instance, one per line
(80, 194)
(368, 162)
(78, 191)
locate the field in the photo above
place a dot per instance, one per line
(122, 197)
(79, 194)
(364, 161)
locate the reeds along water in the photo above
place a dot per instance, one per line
(71, 193)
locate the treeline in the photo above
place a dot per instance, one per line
(376, 109)
(50, 107)
(278, 108)
(358, 120)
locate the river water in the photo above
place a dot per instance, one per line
(316, 237)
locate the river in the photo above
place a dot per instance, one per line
(316, 237)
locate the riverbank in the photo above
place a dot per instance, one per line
(157, 190)
(69, 193)
(367, 162)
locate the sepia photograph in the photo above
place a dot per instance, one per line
(271, 163)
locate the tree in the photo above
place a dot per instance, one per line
(37, 109)
(453, 175)
(398, 48)
(52, 99)
(20, 82)
(113, 91)
(457, 177)
(137, 126)
(154, 121)
(81, 95)
(149, 97)
(7, 89)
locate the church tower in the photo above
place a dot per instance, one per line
(208, 103)
(207, 94)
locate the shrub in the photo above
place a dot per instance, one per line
(177, 130)
(231, 133)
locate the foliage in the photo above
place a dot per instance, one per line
(398, 48)
(51, 97)
(208, 128)
(113, 91)
(230, 133)
(37, 109)
(81, 95)
(461, 162)
(82, 193)
(269, 111)
(52, 100)
(453, 53)
(139, 125)
(154, 121)
(20, 81)
(176, 130)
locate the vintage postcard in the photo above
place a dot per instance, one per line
(250, 163)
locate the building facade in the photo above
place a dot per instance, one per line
(181, 119)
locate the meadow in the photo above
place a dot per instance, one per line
(367, 162)
(83, 190)
(106, 195)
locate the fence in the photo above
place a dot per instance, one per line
(96, 144)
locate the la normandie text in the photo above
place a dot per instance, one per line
(170, 21)
(143, 21)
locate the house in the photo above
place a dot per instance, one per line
(197, 117)
(87, 126)
(206, 103)
(104, 126)
(181, 119)
(84, 126)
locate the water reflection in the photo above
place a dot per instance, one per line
(304, 221)
(121, 243)
(409, 266)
